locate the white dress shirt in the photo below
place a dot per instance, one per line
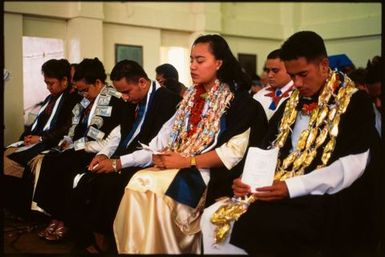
(265, 101)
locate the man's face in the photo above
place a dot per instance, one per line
(308, 77)
(374, 89)
(160, 78)
(277, 76)
(131, 91)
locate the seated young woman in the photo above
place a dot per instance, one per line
(198, 151)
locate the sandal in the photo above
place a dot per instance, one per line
(58, 234)
(49, 229)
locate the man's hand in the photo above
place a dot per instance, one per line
(105, 166)
(277, 191)
(95, 161)
(170, 160)
(239, 188)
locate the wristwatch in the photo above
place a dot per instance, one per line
(114, 166)
(193, 162)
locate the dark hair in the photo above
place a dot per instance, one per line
(307, 44)
(374, 70)
(230, 71)
(174, 85)
(358, 75)
(56, 69)
(275, 54)
(90, 70)
(128, 69)
(256, 80)
(168, 71)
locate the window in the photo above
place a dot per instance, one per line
(179, 57)
(36, 51)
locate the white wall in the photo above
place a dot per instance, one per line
(91, 29)
(13, 87)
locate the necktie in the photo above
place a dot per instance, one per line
(139, 113)
(44, 115)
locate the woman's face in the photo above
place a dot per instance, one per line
(54, 85)
(203, 65)
(89, 91)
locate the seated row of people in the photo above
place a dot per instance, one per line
(138, 166)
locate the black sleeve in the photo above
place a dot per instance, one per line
(357, 127)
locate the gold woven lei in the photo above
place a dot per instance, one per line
(217, 101)
(323, 122)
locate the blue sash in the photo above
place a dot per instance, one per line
(188, 185)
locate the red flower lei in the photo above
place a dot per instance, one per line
(196, 109)
(308, 108)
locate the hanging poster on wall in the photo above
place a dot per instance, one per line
(129, 52)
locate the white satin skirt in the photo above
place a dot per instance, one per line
(150, 222)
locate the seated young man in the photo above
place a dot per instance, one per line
(320, 203)
(97, 195)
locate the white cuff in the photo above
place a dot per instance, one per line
(106, 152)
(295, 186)
(127, 160)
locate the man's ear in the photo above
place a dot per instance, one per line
(324, 65)
(64, 81)
(142, 82)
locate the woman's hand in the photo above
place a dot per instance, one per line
(31, 139)
(170, 160)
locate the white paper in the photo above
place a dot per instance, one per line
(259, 167)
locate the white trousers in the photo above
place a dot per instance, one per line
(207, 228)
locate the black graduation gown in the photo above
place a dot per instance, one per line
(58, 170)
(244, 113)
(97, 196)
(318, 224)
(19, 191)
(60, 125)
